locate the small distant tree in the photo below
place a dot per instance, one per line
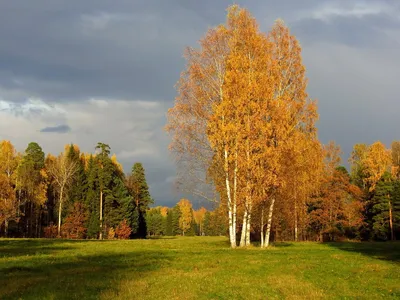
(186, 217)
(50, 231)
(74, 225)
(111, 234)
(123, 231)
(154, 221)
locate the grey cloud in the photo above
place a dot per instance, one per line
(68, 52)
(57, 129)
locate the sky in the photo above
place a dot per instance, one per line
(104, 71)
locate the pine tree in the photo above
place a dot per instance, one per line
(175, 215)
(105, 171)
(139, 190)
(168, 223)
(32, 188)
(92, 202)
(396, 209)
(78, 187)
(382, 208)
(117, 203)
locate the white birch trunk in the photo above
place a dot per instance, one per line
(101, 216)
(59, 211)
(248, 227)
(244, 229)
(295, 222)
(269, 222)
(231, 206)
(262, 227)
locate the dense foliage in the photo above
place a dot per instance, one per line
(74, 195)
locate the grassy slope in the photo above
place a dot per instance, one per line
(196, 268)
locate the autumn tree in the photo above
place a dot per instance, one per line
(186, 215)
(123, 230)
(62, 169)
(396, 159)
(74, 225)
(9, 206)
(199, 216)
(245, 91)
(377, 161)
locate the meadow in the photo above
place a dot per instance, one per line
(196, 268)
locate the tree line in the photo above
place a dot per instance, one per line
(183, 220)
(243, 128)
(72, 195)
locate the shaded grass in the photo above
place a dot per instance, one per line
(196, 268)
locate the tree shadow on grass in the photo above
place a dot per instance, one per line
(24, 247)
(389, 251)
(282, 244)
(157, 237)
(76, 275)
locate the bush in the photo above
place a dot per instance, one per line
(74, 225)
(123, 231)
(51, 231)
(111, 234)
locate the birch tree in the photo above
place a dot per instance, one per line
(62, 170)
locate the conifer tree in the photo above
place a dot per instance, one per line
(78, 187)
(382, 208)
(32, 188)
(139, 190)
(91, 199)
(168, 223)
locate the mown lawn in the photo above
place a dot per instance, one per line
(196, 268)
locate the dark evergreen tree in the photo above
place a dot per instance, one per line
(92, 202)
(382, 208)
(396, 209)
(77, 191)
(118, 204)
(105, 170)
(168, 223)
(139, 190)
(176, 214)
(29, 179)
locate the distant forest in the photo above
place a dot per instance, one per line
(87, 196)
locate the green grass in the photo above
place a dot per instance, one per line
(196, 268)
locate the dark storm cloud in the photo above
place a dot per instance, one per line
(57, 56)
(57, 129)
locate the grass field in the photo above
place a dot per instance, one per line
(196, 268)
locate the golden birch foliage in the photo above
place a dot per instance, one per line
(185, 220)
(332, 154)
(164, 211)
(8, 159)
(377, 161)
(396, 159)
(68, 146)
(116, 163)
(241, 103)
(8, 201)
(199, 215)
